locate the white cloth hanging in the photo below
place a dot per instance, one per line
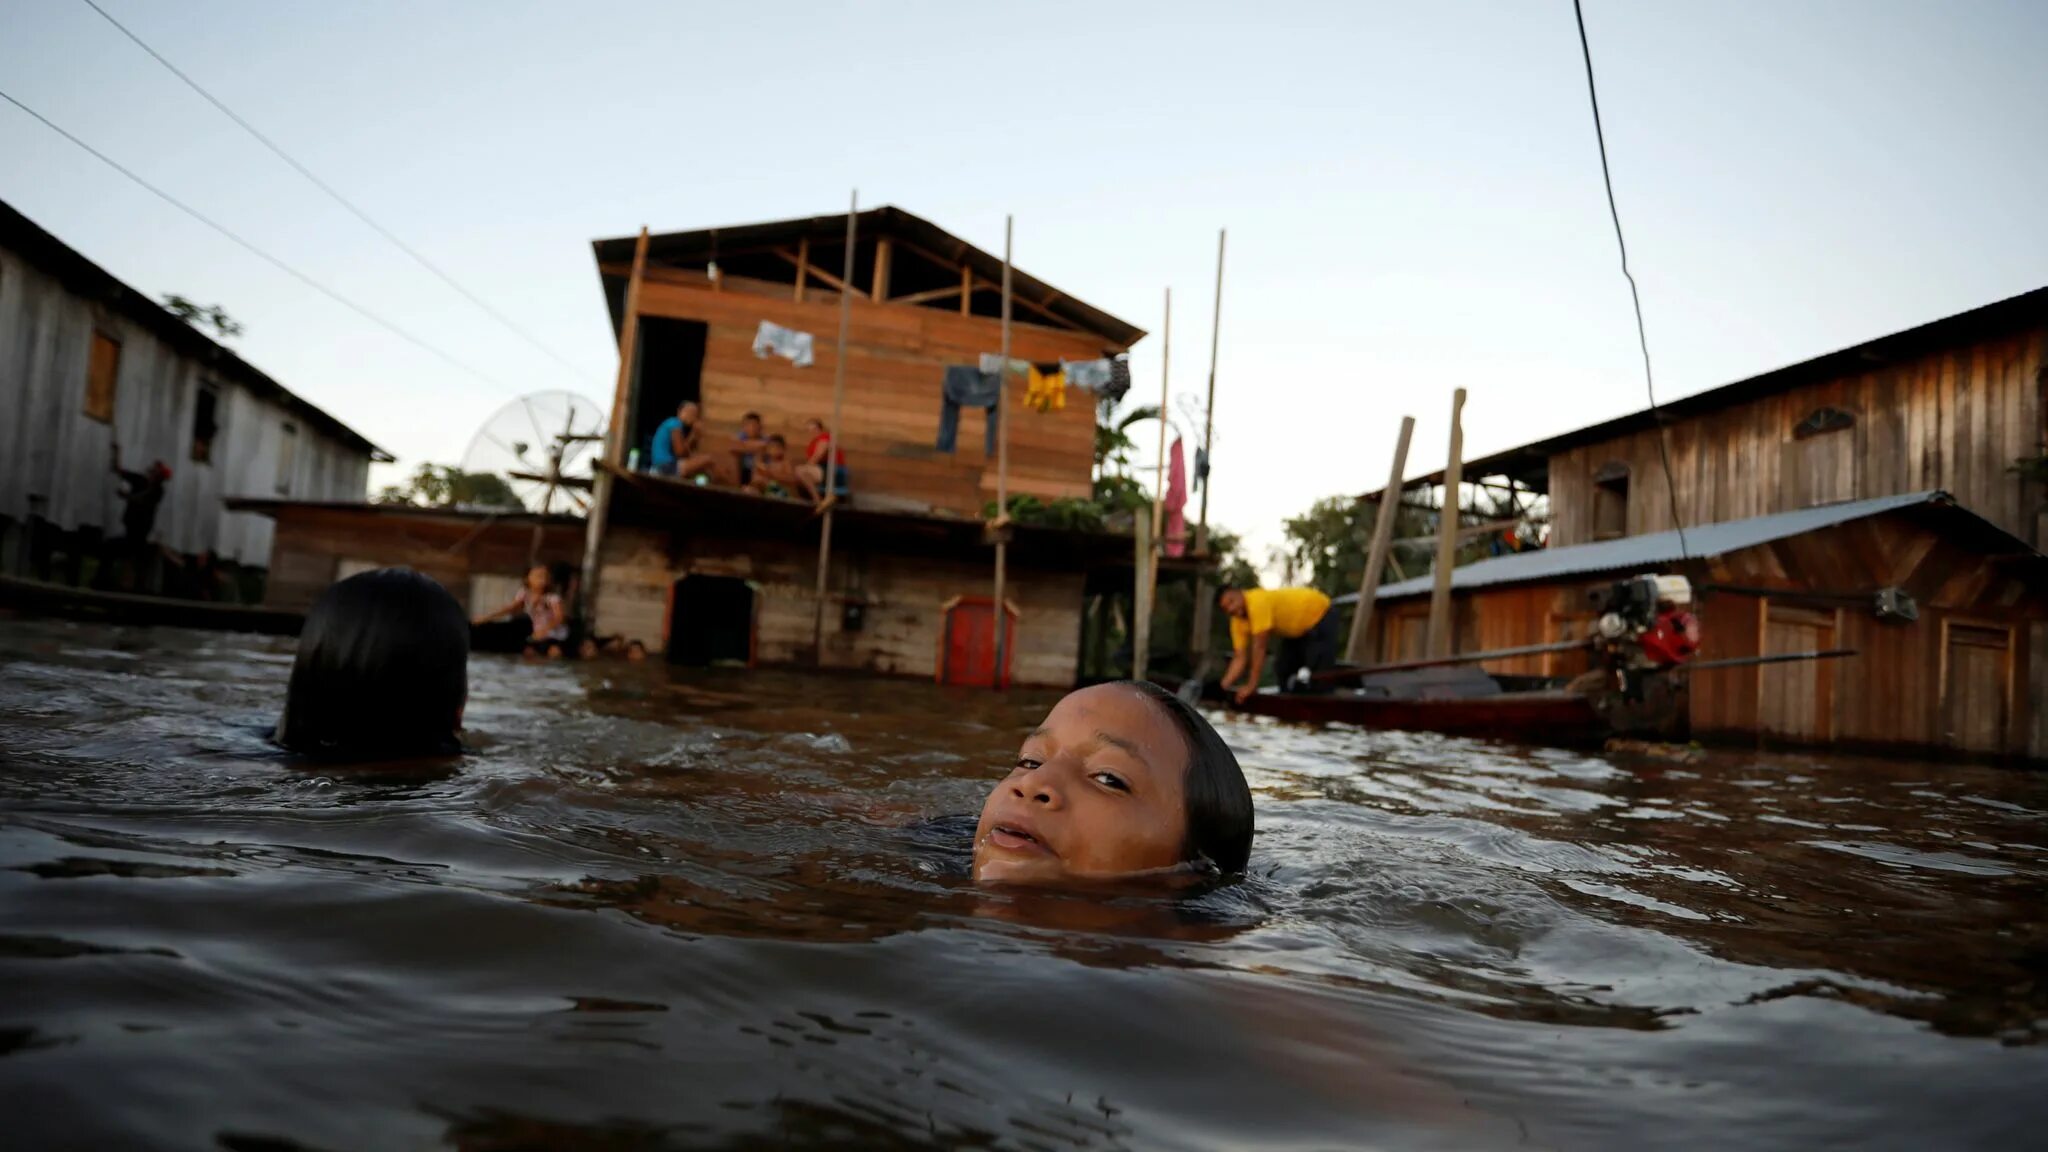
(788, 343)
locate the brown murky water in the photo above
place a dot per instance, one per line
(656, 909)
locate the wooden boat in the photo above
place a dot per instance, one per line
(1469, 702)
(37, 598)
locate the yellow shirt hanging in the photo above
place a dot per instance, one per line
(1046, 391)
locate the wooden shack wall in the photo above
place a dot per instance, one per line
(904, 597)
(1954, 420)
(896, 359)
(310, 544)
(54, 458)
(1891, 695)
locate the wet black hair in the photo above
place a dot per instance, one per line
(1217, 800)
(382, 671)
(754, 416)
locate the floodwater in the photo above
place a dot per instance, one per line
(661, 909)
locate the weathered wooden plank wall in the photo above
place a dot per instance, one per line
(896, 358)
(1900, 690)
(904, 598)
(311, 544)
(1954, 420)
(54, 458)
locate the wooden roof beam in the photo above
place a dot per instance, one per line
(805, 268)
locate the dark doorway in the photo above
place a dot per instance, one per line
(711, 621)
(671, 370)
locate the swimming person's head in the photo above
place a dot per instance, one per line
(1121, 778)
(382, 670)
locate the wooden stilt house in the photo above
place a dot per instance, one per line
(709, 573)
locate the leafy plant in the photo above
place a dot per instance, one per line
(203, 316)
(446, 486)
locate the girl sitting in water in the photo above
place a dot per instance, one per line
(1121, 779)
(538, 619)
(382, 671)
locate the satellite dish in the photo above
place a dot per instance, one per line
(543, 446)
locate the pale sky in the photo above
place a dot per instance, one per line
(1412, 190)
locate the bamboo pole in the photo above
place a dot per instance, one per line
(1141, 596)
(1203, 607)
(1148, 562)
(615, 435)
(1382, 539)
(1447, 533)
(831, 471)
(996, 677)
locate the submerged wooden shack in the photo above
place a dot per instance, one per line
(710, 574)
(1939, 604)
(478, 554)
(87, 362)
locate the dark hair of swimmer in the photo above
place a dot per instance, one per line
(382, 671)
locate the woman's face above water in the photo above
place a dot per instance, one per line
(1096, 793)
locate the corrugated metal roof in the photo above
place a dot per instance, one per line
(1635, 552)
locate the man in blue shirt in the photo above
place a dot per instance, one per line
(674, 451)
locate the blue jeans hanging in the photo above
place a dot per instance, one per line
(967, 386)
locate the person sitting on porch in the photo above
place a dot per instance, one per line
(674, 451)
(812, 470)
(745, 449)
(1301, 617)
(1121, 780)
(774, 475)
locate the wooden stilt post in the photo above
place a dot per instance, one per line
(1199, 643)
(1382, 539)
(803, 266)
(832, 434)
(1002, 645)
(1447, 533)
(615, 434)
(1148, 557)
(1141, 596)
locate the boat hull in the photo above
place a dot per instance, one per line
(1557, 718)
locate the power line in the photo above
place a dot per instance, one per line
(259, 253)
(337, 197)
(1642, 335)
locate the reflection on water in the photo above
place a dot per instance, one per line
(655, 910)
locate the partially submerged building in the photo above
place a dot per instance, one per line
(710, 574)
(1942, 607)
(86, 362)
(479, 554)
(1806, 493)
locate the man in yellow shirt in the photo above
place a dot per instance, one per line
(1301, 617)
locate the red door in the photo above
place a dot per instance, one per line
(968, 654)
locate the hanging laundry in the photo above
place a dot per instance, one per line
(992, 363)
(968, 387)
(1201, 467)
(1119, 379)
(1176, 501)
(1094, 375)
(773, 339)
(1047, 390)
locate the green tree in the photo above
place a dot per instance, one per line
(203, 316)
(446, 486)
